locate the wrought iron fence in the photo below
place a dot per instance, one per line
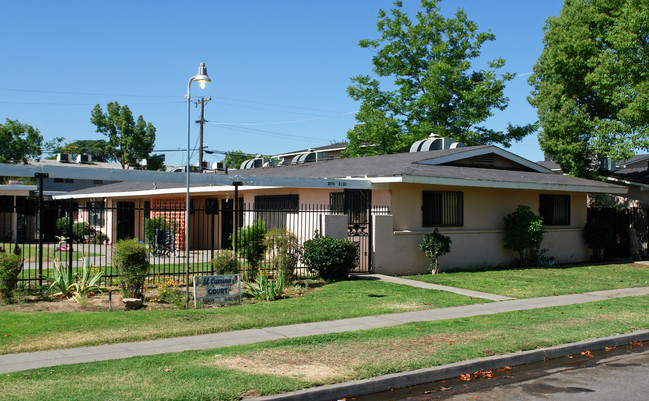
(74, 233)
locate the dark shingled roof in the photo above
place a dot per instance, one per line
(395, 165)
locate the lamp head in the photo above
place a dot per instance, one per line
(202, 78)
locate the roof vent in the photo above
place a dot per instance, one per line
(304, 158)
(63, 157)
(84, 159)
(435, 142)
(252, 163)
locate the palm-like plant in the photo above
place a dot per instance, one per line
(72, 286)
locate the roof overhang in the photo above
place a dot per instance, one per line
(22, 170)
(545, 186)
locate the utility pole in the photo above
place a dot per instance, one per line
(202, 122)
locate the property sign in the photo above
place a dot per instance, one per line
(217, 289)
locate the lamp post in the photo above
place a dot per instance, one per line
(201, 78)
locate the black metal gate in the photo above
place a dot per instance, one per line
(357, 205)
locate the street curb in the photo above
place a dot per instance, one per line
(421, 376)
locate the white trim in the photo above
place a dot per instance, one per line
(483, 151)
(627, 182)
(461, 182)
(161, 192)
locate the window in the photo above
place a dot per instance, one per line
(272, 209)
(95, 212)
(555, 209)
(442, 209)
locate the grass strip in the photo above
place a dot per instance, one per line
(530, 283)
(279, 366)
(31, 331)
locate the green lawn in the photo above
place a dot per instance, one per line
(29, 331)
(279, 366)
(530, 283)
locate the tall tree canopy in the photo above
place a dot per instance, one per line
(128, 140)
(591, 83)
(426, 64)
(19, 142)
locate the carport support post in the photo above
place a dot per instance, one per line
(39, 225)
(236, 216)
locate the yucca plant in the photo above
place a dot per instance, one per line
(267, 289)
(72, 286)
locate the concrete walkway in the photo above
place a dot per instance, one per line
(32, 360)
(429, 286)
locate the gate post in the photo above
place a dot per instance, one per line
(39, 225)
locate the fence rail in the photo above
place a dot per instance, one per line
(72, 234)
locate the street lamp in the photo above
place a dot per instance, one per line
(201, 78)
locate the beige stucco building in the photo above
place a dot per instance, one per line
(465, 192)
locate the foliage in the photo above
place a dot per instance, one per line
(150, 225)
(128, 140)
(70, 285)
(434, 245)
(99, 238)
(131, 260)
(284, 250)
(267, 289)
(590, 83)
(19, 142)
(155, 162)
(428, 63)
(234, 158)
(225, 263)
(331, 258)
(99, 149)
(79, 230)
(10, 266)
(63, 226)
(523, 232)
(598, 236)
(171, 292)
(250, 243)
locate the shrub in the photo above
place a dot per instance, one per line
(225, 263)
(598, 236)
(523, 232)
(131, 260)
(80, 230)
(63, 226)
(250, 243)
(331, 258)
(435, 245)
(99, 238)
(10, 266)
(284, 249)
(150, 225)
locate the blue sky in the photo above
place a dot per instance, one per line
(279, 69)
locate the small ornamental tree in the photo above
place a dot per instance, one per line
(250, 243)
(332, 258)
(435, 245)
(284, 250)
(523, 232)
(131, 260)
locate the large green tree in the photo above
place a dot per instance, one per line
(19, 142)
(430, 84)
(591, 83)
(128, 139)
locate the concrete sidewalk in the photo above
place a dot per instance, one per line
(32, 360)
